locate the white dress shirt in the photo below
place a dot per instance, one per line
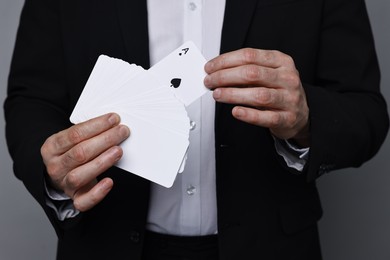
(189, 207)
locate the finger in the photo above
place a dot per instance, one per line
(89, 149)
(81, 176)
(266, 58)
(264, 118)
(57, 167)
(91, 195)
(66, 139)
(244, 75)
(254, 97)
(281, 124)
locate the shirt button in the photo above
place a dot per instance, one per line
(191, 190)
(192, 125)
(192, 6)
(135, 237)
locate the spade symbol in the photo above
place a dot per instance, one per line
(175, 82)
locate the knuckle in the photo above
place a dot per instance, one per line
(45, 150)
(52, 169)
(262, 97)
(294, 100)
(75, 135)
(250, 55)
(49, 146)
(288, 60)
(79, 205)
(269, 56)
(73, 181)
(275, 119)
(252, 73)
(268, 75)
(221, 61)
(291, 79)
(291, 120)
(220, 78)
(294, 80)
(78, 154)
(58, 142)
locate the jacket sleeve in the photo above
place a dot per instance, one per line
(348, 115)
(37, 104)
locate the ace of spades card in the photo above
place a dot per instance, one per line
(152, 103)
(183, 70)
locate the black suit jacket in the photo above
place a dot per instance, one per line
(265, 209)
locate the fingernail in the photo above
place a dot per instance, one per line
(209, 66)
(116, 153)
(217, 93)
(239, 112)
(124, 131)
(207, 81)
(113, 119)
(106, 185)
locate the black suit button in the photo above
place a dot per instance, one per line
(135, 236)
(325, 168)
(321, 170)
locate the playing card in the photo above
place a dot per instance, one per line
(183, 71)
(106, 77)
(152, 104)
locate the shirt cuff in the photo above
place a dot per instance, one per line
(295, 157)
(61, 203)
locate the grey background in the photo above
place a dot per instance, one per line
(356, 223)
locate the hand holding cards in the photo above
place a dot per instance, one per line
(152, 104)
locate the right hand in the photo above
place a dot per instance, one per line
(76, 156)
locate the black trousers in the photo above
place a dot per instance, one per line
(167, 247)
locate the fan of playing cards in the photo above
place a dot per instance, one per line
(152, 104)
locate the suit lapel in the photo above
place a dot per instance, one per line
(238, 17)
(237, 20)
(133, 19)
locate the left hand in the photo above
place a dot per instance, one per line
(266, 87)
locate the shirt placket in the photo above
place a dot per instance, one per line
(191, 203)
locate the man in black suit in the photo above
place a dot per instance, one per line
(267, 209)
